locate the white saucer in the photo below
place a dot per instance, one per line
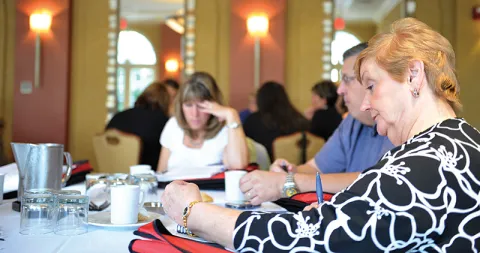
(102, 219)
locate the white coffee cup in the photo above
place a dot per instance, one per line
(125, 203)
(2, 179)
(233, 194)
(141, 169)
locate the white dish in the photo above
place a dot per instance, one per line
(102, 219)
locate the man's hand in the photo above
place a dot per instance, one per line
(261, 186)
(281, 164)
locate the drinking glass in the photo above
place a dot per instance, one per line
(72, 215)
(37, 213)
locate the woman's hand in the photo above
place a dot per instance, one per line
(280, 164)
(313, 205)
(178, 195)
(223, 113)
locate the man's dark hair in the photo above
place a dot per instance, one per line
(355, 50)
(172, 83)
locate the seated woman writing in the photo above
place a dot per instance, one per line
(422, 196)
(203, 131)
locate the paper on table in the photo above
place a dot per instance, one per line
(189, 173)
(11, 177)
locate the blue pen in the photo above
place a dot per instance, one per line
(319, 189)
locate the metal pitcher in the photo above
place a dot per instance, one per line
(41, 166)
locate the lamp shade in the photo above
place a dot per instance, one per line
(171, 65)
(257, 25)
(40, 22)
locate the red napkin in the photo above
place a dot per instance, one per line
(158, 239)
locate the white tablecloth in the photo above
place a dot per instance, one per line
(98, 239)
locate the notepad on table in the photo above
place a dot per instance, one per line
(189, 173)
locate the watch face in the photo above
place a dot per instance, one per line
(185, 211)
(290, 192)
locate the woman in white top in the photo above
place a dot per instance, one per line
(203, 131)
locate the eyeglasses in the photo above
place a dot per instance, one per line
(347, 79)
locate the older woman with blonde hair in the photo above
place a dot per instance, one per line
(203, 131)
(422, 196)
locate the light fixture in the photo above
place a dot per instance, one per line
(257, 27)
(176, 23)
(40, 22)
(171, 65)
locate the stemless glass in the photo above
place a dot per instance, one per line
(37, 213)
(148, 184)
(72, 215)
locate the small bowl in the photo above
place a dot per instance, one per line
(155, 207)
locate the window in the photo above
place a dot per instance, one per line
(136, 67)
(341, 43)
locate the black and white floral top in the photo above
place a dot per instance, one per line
(422, 196)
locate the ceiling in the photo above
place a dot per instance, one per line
(149, 11)
(155, 11)
(364, 10)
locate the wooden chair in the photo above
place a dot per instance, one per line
(297, 148)
(258, 154)
(116, 151)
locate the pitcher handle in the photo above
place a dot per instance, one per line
(68, 157)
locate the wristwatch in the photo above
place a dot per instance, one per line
(233, 125)
(289, 188)
(185, 214)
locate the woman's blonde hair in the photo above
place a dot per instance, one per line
(408, 40)
(199, 87)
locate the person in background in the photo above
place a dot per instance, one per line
(172, 88)
(422, 196)
(252, 107)
(342, 109)
(354, 146)
(275, 117)
(203, 130)
(326, 118)
(146, 120)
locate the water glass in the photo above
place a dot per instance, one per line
(148, 185)
(37, 214)
(72, 215)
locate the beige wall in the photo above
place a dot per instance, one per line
(7, 50)
(153, 34)
(467, 40)
(440, 15)
(89, 77)
(212, 40)
(384, 25)
(304, 49)
(363, 30)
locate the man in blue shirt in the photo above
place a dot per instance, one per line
(354, 146)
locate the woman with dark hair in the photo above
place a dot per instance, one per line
(326, 117)
(146, 120)
(275, 117)
(203, 130)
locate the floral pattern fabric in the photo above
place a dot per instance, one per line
(422, 196)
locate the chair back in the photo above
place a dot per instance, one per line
(297, 148)
(116, 151)
(258, 154)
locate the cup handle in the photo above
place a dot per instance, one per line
(68, 157)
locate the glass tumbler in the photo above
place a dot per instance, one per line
(72, 215)
(149, 185)
(37, 213)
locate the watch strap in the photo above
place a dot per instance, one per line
(185, 215)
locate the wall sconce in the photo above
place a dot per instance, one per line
(171, 65)
(257, 27)
(40, 22)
